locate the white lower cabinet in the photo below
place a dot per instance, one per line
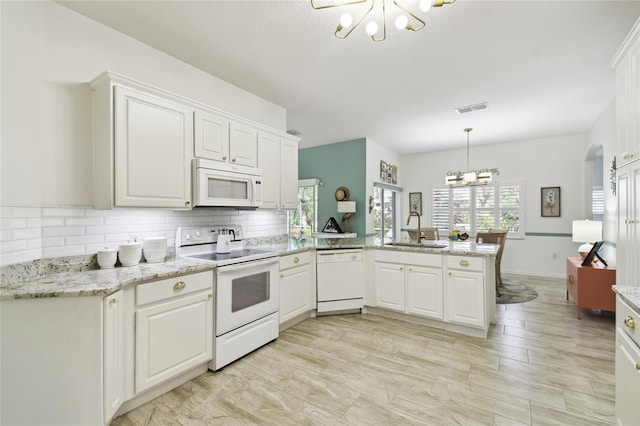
(174, 327)
(389, 279)
(296, 284)
(409, 283)
(465, 293)
(627, 364)
(113, 308)
(424, 291)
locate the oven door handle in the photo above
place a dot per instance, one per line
(245, 266)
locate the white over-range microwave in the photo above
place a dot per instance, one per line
(218, 184)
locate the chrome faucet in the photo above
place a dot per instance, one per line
(419, 233)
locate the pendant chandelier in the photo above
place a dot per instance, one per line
(470, 177)
(376, 15)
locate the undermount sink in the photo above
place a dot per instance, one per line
(424, 245)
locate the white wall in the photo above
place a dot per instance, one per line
(49, 54)
(375, 154)
(603, 132)
(554, 161)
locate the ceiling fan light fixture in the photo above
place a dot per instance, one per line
(407, 20)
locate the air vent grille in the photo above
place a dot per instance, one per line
(469, 108)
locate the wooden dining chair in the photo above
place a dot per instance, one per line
(495, 236)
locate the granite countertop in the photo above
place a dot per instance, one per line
(65, 277)
(80, 276)
(629, 294)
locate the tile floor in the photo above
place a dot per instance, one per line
(540, 365)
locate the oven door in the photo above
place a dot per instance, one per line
(246, 292)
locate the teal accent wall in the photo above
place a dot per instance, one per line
(336, 165)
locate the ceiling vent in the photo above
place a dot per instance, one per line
(294, 132)
(469, 108)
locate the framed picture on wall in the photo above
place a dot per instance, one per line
(415, 202)
(550, 201)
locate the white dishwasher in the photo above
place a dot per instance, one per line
(340, 279)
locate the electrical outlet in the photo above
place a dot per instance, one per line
(554, 256)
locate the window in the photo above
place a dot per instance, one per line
(597, 203)
(477, 208)
(304, 220)
(384, 213)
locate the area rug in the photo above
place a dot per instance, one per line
(514, 292)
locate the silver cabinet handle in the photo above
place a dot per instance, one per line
(179, 285)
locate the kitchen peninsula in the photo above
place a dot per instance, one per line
(93, 311)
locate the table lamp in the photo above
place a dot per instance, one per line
(587, 232)
(348, 208)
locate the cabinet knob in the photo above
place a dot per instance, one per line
(402, 268)
(113, 301)
(464, 262)
(233, 160)
(638, 366)
(630, 322)
(179, 285)
(224, 157)
(186, 203)
(296, 259)
(210, 296)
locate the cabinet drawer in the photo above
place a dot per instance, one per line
(291, 260)
(628, 320)
(466, 263)
(173, 287)
(409, 258)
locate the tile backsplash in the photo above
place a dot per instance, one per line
(29, 233)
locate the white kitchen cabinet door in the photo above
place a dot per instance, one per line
(295, 292)
(289, 174)
(627, 66)
(627, 380)
(243, 144)
(211, 137)
(113, 308)
(424, 292)
(389, 286)
(278, 159)
(173, 336)
(628, 244)
(153, 148)
(269, 163)
(465, 298)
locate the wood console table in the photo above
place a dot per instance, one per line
(590, 286)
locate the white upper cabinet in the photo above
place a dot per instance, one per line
(627, 66)
(278, 159)
(211, 136)
(220, 139)
(143, 146)
(243, 144)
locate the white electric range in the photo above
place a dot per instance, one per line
(246, 287)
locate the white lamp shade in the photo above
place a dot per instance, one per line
(346, 206)
(587, 231)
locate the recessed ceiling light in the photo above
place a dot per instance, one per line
(469, 108)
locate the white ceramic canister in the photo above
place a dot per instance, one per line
(129, 253)
(107, 258)
(154, 249)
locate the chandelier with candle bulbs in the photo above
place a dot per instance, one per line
(470, 177)
(376, 13)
